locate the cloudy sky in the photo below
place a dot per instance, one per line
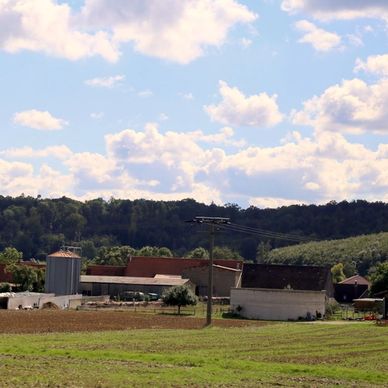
(254, 102)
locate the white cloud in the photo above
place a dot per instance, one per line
(265, 202)
(97, 115)
(105, 82)
(319, 38)
(172, 165)
(46, 26)
(58, 152)
(163, 117)
(145, 93)
(41, 120)
(352, 106)
(338, 9)
(375, 64)
(236, 109)
(187, 96)
(175, 30)
(245, 42)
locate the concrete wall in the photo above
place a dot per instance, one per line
(37, 301)
(63, 275)
(282, 305)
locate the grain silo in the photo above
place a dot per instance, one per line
(63, 270)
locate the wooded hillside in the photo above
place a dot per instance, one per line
(39, 226)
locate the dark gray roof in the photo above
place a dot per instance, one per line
(296, 277)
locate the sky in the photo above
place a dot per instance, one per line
(253, 102)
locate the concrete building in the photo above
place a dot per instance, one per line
(116, 285)
(224, 278)
(276, 304)
(294, 277)
(63, 270)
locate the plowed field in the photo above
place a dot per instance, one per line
(43, 321)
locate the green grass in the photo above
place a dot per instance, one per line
(294, 354)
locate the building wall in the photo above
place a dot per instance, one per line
(62, 275)
(223, 280)
(282, 305)
(114, 290)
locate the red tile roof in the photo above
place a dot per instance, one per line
(355, 279)
(141, 266)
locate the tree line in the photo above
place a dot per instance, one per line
(39, 226)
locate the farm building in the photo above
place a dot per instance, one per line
(282, 292)
(278, 304)
(294, 277)
(224, 278)
(63, 269)
(117, 285)
(142, 266)
(227, 273)
(352, 288)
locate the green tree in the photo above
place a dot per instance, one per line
(337, 272)
(114, 255)
(198, 253)
(226, 253)
(164, 252)
(10, 256)
(379, 278)
(179, 296)
(262, 251)
(24, 276)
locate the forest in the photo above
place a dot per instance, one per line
(39, 226)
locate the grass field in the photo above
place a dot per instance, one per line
(282, 354)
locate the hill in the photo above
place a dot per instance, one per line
(37, 226)
(359, 253)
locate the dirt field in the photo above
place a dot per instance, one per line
(44, 321)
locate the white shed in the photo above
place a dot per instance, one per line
(276, 304)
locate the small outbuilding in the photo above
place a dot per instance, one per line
(351, 288)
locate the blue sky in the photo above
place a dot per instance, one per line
(259, 102)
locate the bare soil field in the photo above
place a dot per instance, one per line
(44, 321)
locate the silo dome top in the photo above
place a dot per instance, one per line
(64, 254)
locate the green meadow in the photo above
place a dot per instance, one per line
(281, 354)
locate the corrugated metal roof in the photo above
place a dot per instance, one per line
(166, 281)
(64, 254)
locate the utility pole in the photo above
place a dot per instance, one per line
(212, 222)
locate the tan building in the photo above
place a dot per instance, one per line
(224, 278)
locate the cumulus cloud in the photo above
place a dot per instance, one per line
(174, 30)
(41, 120)
(46, 26)
(375, 64)
(171, 29)
(338, 9)
(320, 39)
(352, 106)
(235, 109)
(173, 165)
(105, 82)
